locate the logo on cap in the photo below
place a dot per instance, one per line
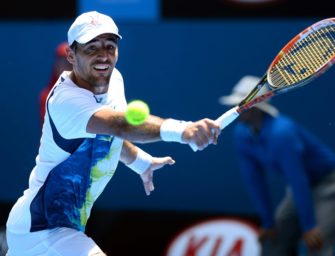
(95, 21)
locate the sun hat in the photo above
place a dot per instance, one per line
(90, 25)
(242, 89)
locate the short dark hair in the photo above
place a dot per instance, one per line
(74, 45)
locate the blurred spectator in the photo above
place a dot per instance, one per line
(268, 141)
(60, 64)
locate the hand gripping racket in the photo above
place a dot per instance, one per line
(308, 55)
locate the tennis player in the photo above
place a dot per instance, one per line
(268, 141)
(84, 137)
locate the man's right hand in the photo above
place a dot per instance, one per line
(313, 239)
(202, 133)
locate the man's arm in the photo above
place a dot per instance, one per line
(128, 152)
(201, 133)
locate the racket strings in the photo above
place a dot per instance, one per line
(304, 58)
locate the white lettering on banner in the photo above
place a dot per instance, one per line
(219, 237)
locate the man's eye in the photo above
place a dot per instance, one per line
(92, 48)
(111, 48)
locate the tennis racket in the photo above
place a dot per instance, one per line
(308, 55)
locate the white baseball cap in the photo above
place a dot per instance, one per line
(242, 89)
(90, 25)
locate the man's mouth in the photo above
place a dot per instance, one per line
(101, 67)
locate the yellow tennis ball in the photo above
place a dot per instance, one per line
(137, 112)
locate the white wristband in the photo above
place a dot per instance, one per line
(141, 163)
(172, 130)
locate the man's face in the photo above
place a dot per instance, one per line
(94, 61)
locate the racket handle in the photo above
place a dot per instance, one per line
(224, 120)
(227, 117)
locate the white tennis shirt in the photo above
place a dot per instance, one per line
(72, 166)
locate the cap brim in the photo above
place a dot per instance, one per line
(231, 100)
(267, 108)
(85, 38)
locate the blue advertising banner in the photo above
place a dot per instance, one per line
(148, 10)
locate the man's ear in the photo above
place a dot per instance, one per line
(70, 55)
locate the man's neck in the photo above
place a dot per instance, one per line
(85, 85)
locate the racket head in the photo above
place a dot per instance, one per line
(305, 57)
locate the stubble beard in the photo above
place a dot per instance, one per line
(100, 84)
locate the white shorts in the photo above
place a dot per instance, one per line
(53, 242)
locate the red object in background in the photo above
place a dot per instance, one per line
(60, 64)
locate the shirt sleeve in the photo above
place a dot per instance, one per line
(117, 94)
(71, 109)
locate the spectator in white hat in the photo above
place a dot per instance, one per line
(85, 135)
(268, 141)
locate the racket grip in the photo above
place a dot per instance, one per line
(228, 117)
(224, 120)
